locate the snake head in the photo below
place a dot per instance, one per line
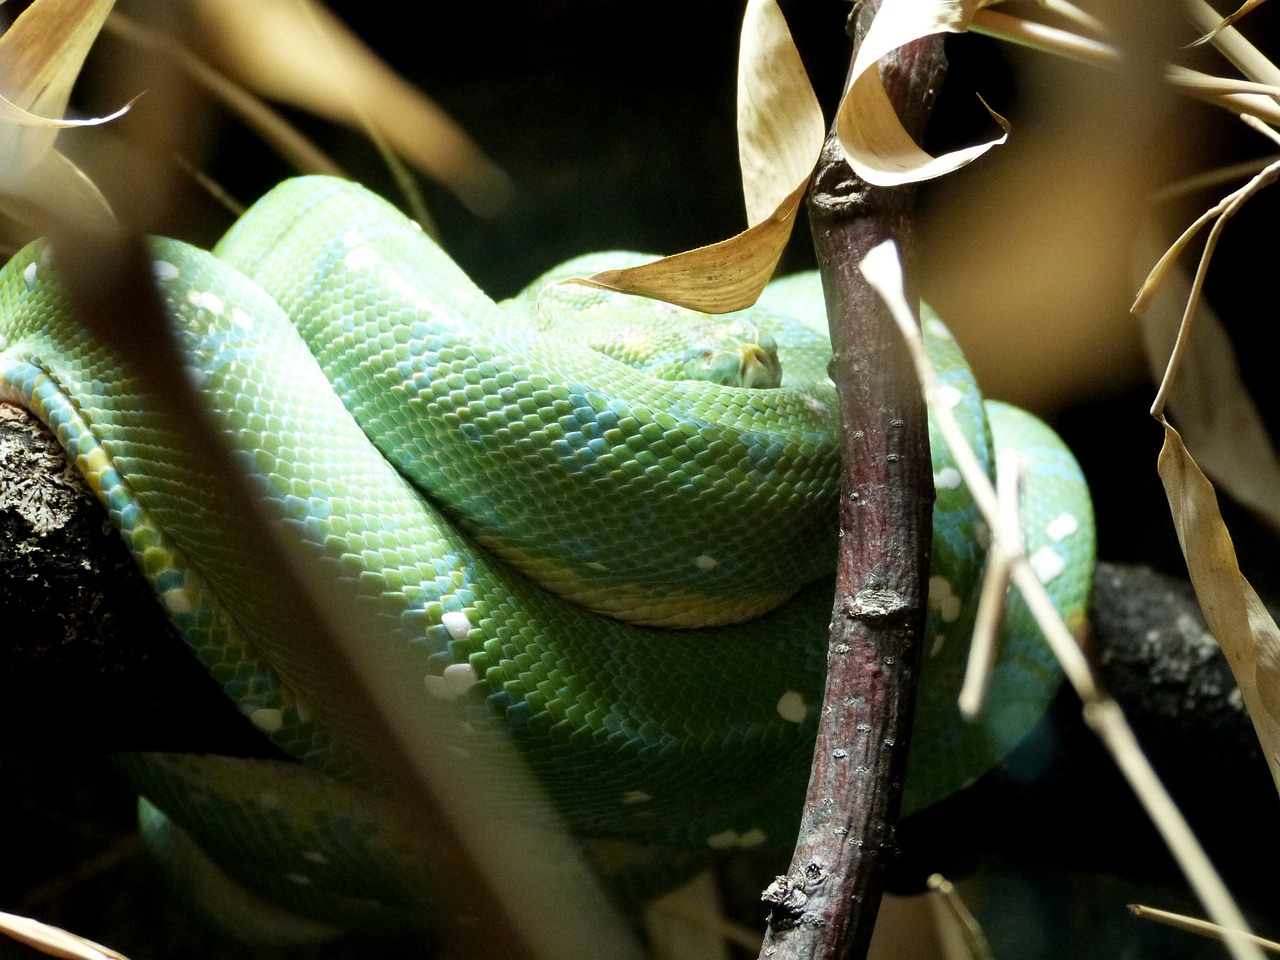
(734, 354)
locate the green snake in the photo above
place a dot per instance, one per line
(625, 570)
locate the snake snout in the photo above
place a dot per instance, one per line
(759, 366)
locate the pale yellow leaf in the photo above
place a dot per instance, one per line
(55, 187)
(275, 48)
(1228, 21)
(877, 146)
(780, 134)
(780, 127)
(42, 51)
(40, 57)
(54, 941)
(718, 278)
(1209, 400)
(1237, 617)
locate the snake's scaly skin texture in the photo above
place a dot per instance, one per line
(432, 451)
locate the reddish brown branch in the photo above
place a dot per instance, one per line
(827, 904)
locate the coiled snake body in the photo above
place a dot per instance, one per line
(435, 453)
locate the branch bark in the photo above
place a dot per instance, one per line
(826, 905)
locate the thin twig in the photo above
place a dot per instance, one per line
(1101, 712)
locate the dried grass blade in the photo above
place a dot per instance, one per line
(780, 135)
(300, 53)
(54, 941)
(961, 934)
(884, 271)
(1194, 925)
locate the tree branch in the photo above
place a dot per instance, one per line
(827, 903)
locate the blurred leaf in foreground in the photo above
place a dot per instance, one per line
(40, 57)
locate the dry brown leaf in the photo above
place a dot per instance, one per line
(40, 57)
(1238, 619)
(780, 134)
(54, 941)
(718, 278)
(780, 128)
(274, 47)
(53, 186)
(1214, 410)
(876, 144)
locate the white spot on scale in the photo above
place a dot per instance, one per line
(938, 329)
(205, 300)
(164, 270)
(29, 274)
(816, 406)
(360, 258)
(597, 565)
(460, 677)
(944, 598)
(302, 709)
(270, 800)
(705, 562)
(949, 396)
(178, 600)
(1061, 527)
(791, 707)
(948, 478)
(301, 879)
(456, 622)
(1047, 563)
(938, 643)
(198, 377)
(635, 796)
(267, 719)
(315, 856)
(456, 680)
(241, 319)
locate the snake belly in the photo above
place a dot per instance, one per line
(434, 454)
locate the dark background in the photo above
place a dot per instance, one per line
(615, 123)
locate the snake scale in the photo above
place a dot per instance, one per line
(629, 575)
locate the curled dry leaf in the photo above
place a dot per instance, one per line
(40, 57)
(1237, 617)
(876, 144)
(303, 55)
(780, 133)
